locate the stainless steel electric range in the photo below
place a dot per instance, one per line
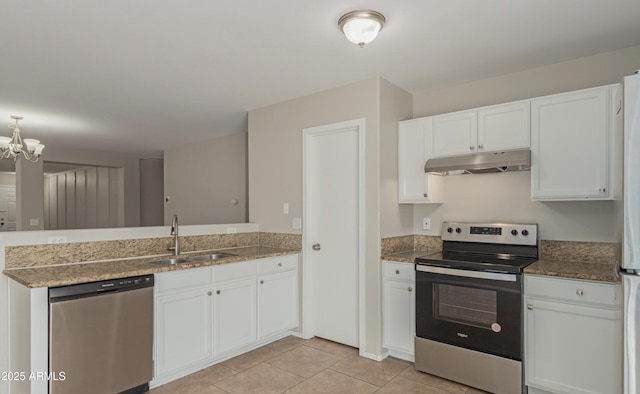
(469, 304)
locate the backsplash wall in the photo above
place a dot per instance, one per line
(506, 197)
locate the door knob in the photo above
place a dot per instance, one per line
(316, 247)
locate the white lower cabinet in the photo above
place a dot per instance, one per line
(398, 309)
(183, 321)
(206, 315)
(573, 336)
(234, 316)
(277, 303)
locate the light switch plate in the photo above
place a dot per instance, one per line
(34, 222)
(285, 208)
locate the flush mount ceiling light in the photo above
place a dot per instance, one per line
(11, 148)
(361, 27)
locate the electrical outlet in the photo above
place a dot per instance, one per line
(296, 223)
(426, 223)
(59, 239)
(231, 230)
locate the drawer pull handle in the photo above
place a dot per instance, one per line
(397, 272)
(279, 264)
(530, 307)
(209, 293)
(217, 291)
(580, 292)
(261, 282)
(410, 289)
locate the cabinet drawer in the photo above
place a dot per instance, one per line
(231, 271)
(188, 278)
(277, 264)
(573, 290)
(399, 271)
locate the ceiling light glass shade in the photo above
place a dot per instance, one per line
(361, 27)
(31, 144)
(4, 142)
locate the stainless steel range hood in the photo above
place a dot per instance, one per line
(480, 163)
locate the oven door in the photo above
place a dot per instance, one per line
(473, 309)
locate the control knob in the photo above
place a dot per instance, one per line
(458, 230)
(449, 230)
(525, 232)
(514, 232)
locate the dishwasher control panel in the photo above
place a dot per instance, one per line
(93, 288)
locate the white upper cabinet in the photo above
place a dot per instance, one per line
(573, 145)
(488, 129)
(504, 127)
(414, 185)
(455, 134)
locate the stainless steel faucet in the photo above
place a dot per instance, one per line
(174, 232)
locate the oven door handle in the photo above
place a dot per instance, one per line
(467, 273)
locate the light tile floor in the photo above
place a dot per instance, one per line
(293, 365)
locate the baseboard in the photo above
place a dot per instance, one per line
(372, 356)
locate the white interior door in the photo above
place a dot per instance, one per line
(7, 208)
(332, 203)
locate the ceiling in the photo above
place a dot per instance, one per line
(137, 77)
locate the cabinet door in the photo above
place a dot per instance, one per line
(277, 303)
(454, 134)
(504, 127)
(234, 315)
(572, 349)
(399, 316)
(414, 186)
(570, 145)
(183, 329)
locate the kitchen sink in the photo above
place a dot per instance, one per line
(170, 261)
(213, 256)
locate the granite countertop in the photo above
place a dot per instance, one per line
(603, 272)
(68, 274)
(406, 256)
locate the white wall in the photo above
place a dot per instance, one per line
(275, 172)
(151, 192)
(506, 197)
(203, 178)
(29, 195)
(7, 178)
(395, 105)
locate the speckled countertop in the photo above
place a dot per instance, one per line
(405, 257)
(94, 271)
(603, 272)
(566, 259)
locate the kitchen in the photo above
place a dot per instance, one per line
(274, 136)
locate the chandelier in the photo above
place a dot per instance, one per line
(11, 148)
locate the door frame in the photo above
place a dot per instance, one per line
(307, 296)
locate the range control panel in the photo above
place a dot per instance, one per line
(499, 233)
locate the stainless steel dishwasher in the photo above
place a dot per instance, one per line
(101, 336)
